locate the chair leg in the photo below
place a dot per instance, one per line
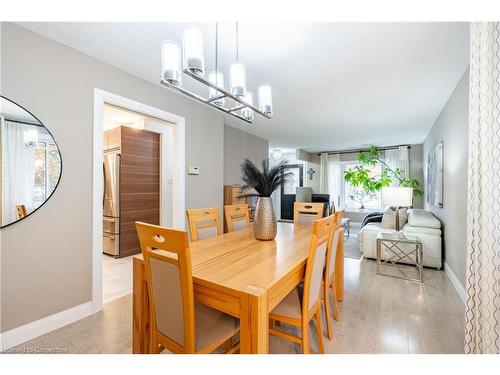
(329, 328)
(305, 337)
(319, 331)
(336, 314)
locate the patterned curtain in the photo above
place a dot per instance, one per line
(482, 325)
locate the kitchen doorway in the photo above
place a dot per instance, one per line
(288, 189)
(112, 272)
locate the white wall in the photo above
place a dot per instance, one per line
(451, 127)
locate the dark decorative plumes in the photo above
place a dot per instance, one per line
(259, 183)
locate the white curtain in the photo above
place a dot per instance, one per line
(323, 173)
(482, 318)
(398, 158)
(391, 158)
(18, 171)
(404, 161)
(334, 179)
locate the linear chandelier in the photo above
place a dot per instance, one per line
(239, 101)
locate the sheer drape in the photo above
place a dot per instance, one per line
(18, 170)
(335, 179)
(482, 325)
(323, 173)
(391, 158)
(398, 158)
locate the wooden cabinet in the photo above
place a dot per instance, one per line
(139, 183)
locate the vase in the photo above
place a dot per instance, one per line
(264, 222)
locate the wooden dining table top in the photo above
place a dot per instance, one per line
(237, 259)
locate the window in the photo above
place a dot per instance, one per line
(355, 197)
(47, 169)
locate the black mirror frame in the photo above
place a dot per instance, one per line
(60, 158)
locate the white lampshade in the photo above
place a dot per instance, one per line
(171, 62)
(192, 49)
(247, 112)
(238, 79)
(217, 78)
(397, 196)
(266, 99)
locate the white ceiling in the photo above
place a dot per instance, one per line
(335, 85)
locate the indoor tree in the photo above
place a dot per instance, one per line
(361, 179)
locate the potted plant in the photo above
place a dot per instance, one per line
(261, 184)
(366, 185)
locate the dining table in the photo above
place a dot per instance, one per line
(241, 276)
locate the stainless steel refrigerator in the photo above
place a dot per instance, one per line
(111, 203)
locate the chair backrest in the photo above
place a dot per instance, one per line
(168, 273)
(21, 211)
(237, 216)
(333, 242)
(204, 223)
(307, 212)
(315, 263)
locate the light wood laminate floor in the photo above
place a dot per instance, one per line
(379, 314)
(116, 277)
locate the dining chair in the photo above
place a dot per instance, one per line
(237, 216)
(21, 211)
(178, 322)
(329, 277)
(302, 305)
(307, 212)
(204, 223)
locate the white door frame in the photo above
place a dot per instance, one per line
(177, 177)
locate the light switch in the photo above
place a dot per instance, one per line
(193, 170)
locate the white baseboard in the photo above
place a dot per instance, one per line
(454, 281)
(40, 327)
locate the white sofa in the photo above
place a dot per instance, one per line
(421, 223)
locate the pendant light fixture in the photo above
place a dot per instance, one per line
(247, 112)
(266, 99)
(30, 138)
(216, 77)
(171, 62)
(192, 47)
(236, 101)
(237, 72)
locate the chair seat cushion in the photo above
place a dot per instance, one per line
(290, 306)
(212, 325)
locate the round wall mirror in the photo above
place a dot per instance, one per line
(30, 166)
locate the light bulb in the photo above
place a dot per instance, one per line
(192, 48)
(266, 99)
(248, 113)
(238, 80)
(30, 138)
(217, 78)
(171, 62)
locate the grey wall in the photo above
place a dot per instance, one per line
(46, 258)
(451, 127)
(239, 146)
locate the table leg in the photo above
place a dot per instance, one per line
(140, 309)
(339, 265)
(254, 321)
